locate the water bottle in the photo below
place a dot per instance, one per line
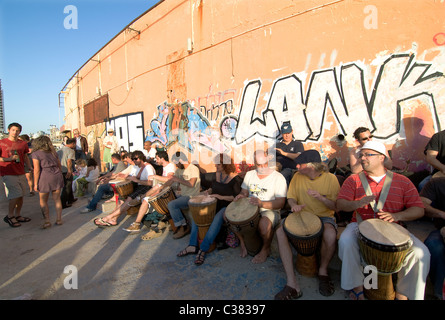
(18, 159)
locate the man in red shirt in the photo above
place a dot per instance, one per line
(13, 156)
(402, 204)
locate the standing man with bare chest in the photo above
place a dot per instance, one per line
(13, 156)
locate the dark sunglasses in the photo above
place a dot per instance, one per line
(367, 138)
(134, 159)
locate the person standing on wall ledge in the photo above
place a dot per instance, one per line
(13, 157)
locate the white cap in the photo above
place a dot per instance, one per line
(376, 146)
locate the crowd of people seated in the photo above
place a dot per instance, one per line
(285, 180)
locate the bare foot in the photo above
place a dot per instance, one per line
(243, 253)
(261, 256)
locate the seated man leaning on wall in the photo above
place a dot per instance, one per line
(433, 198)
(362, 135)
(287, 150)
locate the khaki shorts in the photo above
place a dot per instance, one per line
(16, 186)
(272, 215)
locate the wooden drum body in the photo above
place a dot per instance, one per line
(123, 188)
(203, 210)
(304, 231)
(161, 200)
(244, 218)
(385, 246)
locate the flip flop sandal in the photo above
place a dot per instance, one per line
(356, 294)
(101, 223)
(288, 293)
(326, 287)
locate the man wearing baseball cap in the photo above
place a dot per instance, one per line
(402, 204)
(287, 150)
(312, 189)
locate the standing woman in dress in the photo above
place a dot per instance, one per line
(48, 177)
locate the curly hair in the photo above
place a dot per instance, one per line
(227, 163)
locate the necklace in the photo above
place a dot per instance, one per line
(221, 178)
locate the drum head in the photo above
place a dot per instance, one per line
(302, 224)
(116, 182)
(241, 210)
(160, 194)
(383, 232)
(202, 200)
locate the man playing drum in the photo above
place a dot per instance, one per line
(168, 170)
(139, 176)
(402, 204)
(312, 189)
(188, 177)
(267, 189)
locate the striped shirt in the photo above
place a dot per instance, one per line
(402, 194)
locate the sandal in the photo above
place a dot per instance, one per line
(185, 252)
(59, 222)
(200, 257)
(22, 219)
(46, 225)
(11, 223)
(325, 286)
(151, 235)
(288, 293)
(102, 223)
(356, 294)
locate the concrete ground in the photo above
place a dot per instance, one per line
(113, 265)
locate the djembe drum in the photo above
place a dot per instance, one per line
(203, 210)
(304, 231)
(385, 246)
(160, 203)
(243, 217)
(122, 188)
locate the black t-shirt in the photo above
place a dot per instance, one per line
(293, 147)
(232, 188)
(435, 191)
(437, 143)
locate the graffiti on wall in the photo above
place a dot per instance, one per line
(346, 91)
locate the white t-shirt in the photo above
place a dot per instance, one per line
(267, 189)
(192, 171)
(170, 168)
(148, 171)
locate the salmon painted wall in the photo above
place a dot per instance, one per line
(328, 67)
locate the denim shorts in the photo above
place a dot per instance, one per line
(330, 220)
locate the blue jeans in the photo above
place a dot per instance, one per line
(436, 246)
(211, 234)
(175, 206)
(288, 173)
(104, 188)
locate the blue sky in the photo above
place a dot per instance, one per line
(38, 55)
